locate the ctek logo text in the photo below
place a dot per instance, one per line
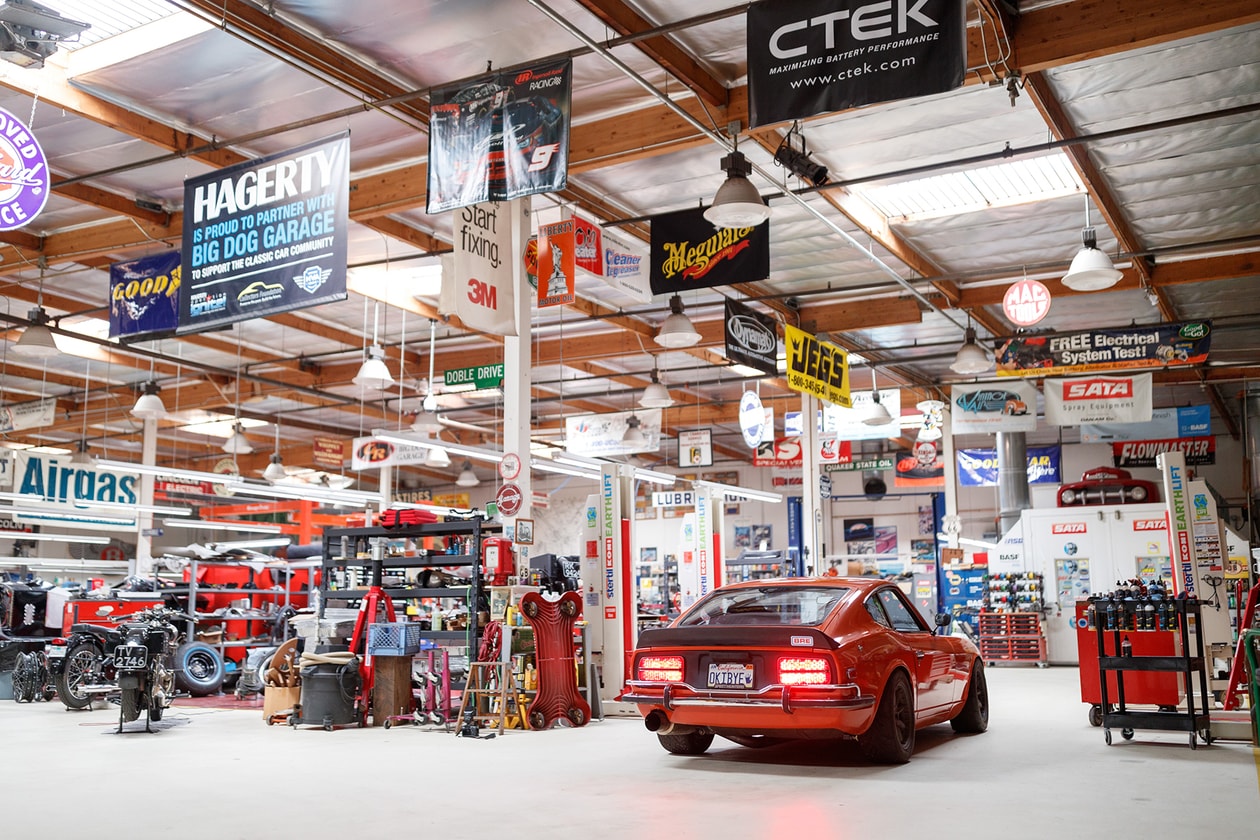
(1067, 528)
(1094, 389)
(869, 22)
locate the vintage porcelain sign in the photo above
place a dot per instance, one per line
(23, 174)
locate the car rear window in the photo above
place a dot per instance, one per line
(792, 605)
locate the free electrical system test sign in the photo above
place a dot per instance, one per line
(266, 236)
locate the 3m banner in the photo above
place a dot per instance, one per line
(979, 467)
(689, 253)
(266, 236)
(485, 297)
(502, 136)
(751, 338)
(1157, 346)
(1186, 421)
(994, 408)
(144, 296)
(1098, 399)
(808, 57)
(588, 244)
(1198, 451)
(556, 268)
(816, 367)
(626, 270)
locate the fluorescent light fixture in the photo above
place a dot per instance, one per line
(214, 424)
(92, 503)
(224, 525)
(746, 371)
(65, 516)
(266, 542)
(988, 546)
(654, 477)
(22, 535)
(730, 492)
(562, 469)
(307, 492)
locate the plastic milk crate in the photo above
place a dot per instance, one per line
(398, 639)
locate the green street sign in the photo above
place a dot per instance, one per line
(480, 377)
(882, 462)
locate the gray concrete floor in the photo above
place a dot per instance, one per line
(1039, 772)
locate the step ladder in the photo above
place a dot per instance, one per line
(1238, 682)
(505, 703)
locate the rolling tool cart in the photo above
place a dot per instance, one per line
(1117, 657)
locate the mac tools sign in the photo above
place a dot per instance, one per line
(266, 236)
(808, 57)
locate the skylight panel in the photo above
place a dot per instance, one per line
(109, 18)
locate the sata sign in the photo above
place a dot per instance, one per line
(1092, 389)
(1068, 528)
(1099, 399)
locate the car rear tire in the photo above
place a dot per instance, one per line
(890, 739)
(199, 669)
(690, 743)
(973, 718)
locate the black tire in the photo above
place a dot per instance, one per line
(198, 669)
(1095, 715)
(690, 743)
(80, 666)
(890, 739)
(756, 742)
(973, 718)
(130, 701)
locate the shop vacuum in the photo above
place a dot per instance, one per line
(330, 682)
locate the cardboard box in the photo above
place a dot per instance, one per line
(279, 699)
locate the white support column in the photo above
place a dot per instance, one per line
(811, 506)
(951, 474)
(517, 362)
(143, 564)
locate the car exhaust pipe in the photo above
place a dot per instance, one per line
(657, 722)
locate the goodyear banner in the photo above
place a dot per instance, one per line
(144, 296)
(266, 236)
(689, 253)
(1157, 346)
(1198, 451)
(816, 367)
(984, 409)
(502, 136)
(808, 57)
(484, 294)
(751, 338)
(1098, 399)
(979, 467)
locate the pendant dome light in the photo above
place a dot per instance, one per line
(737, 203)
(237, 443)
(149, 405)
(656, 395)
(373, 373)
(633, 434)
(971, 359)
(874, 413)
(37, 341)
(275, 470)
(467, 478)
(81, 458)
(676, 330)
(1091, 269)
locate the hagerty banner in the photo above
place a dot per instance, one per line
(1009, 407)
(751, 338)
(1156, 346)
(502, 136)
(144, 296)
(816, 367)
(266, 236)
(979, 467)
(1098, 399)
(689, 253)
(808, 57)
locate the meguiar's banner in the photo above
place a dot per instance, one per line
(688, 252)
(144, 296)
(502, 136)
(816, 367)
(808, 57)
(266, 236)
(1155, 346)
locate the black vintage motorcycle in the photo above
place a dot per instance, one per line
(144, 664)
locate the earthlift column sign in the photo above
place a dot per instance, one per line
(23, 174)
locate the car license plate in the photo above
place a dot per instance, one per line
(730, 675)
(55, 651)
(130, 656)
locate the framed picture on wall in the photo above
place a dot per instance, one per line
(524, 532)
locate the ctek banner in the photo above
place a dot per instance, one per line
(1098, 399)
(751, 338)
(816, 367)
(808, 57)
(144, 296)
(689, 253)
(1159, 346)
(983, 409)
(500, 137)
(979, 467)
(266, 235)
(484, 296)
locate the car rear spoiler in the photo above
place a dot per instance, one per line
(749, 636)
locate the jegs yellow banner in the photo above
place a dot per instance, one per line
(816, 367)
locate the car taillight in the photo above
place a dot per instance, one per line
(661, 668)
(794, 670)
(58, 642)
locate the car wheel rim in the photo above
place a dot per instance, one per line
(982, 697)
(904, 717)
(200, 666)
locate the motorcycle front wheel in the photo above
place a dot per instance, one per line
(78, 669)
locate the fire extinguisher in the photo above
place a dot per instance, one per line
(496, 560)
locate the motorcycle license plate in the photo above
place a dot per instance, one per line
(128, 656)
(55, 651)
(730, 675)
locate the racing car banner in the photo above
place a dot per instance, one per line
(1156, 346)
(1098, 399)
(979, 467)
(144, 296)
(807, 57)
(689, 253)
(1199, 451)
(502, 136)
(982, 409)
(266, 236)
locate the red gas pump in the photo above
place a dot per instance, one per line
(497, 564)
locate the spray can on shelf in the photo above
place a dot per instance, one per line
(1126, 647)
